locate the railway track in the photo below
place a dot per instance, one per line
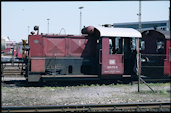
(12, 70)
(140, 107)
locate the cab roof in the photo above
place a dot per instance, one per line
(118, 32)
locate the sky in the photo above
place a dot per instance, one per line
(19, 18)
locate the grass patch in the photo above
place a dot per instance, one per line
(53, 88)
(158, 92)
(163, 92)
(94, 85)
(157, 84)
(48, 88)
(4, 88)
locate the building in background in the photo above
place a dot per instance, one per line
(7, 44)
(148, 25)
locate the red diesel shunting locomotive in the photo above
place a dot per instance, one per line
(100, 53)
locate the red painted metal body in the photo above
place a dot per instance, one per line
(86, 55)
(19, 51)
(155, 53)
(167, 62)
(15, 53)
(37, 65)
(49, 47)
(54, 47)
(111, 63)
(76, 46)
(36, 45)
(61, 46)
(6, 50)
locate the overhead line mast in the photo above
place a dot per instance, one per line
(138, 54)
(140, 26)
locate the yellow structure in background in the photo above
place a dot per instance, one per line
(24, 44)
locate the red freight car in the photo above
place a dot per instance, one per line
(99, 53)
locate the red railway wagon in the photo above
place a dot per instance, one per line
(99, 53)
(18, 50)
(155, 52)
(167, 62)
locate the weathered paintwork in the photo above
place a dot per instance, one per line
(37, 65)
(112, 64)
(53, 47)
(78, 55)
(36, 45)
(61, 46)
(155, 55)
(167, 62)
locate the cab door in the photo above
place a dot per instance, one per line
(112, 57)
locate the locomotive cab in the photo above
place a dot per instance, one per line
(117, 51)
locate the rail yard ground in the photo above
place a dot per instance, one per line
(84, 94)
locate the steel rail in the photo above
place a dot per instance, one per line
(158, 106)
(12, 70)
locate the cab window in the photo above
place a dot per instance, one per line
(142, 45)
(115, 45)
(160, 46)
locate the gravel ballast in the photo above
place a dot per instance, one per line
(84, 94)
